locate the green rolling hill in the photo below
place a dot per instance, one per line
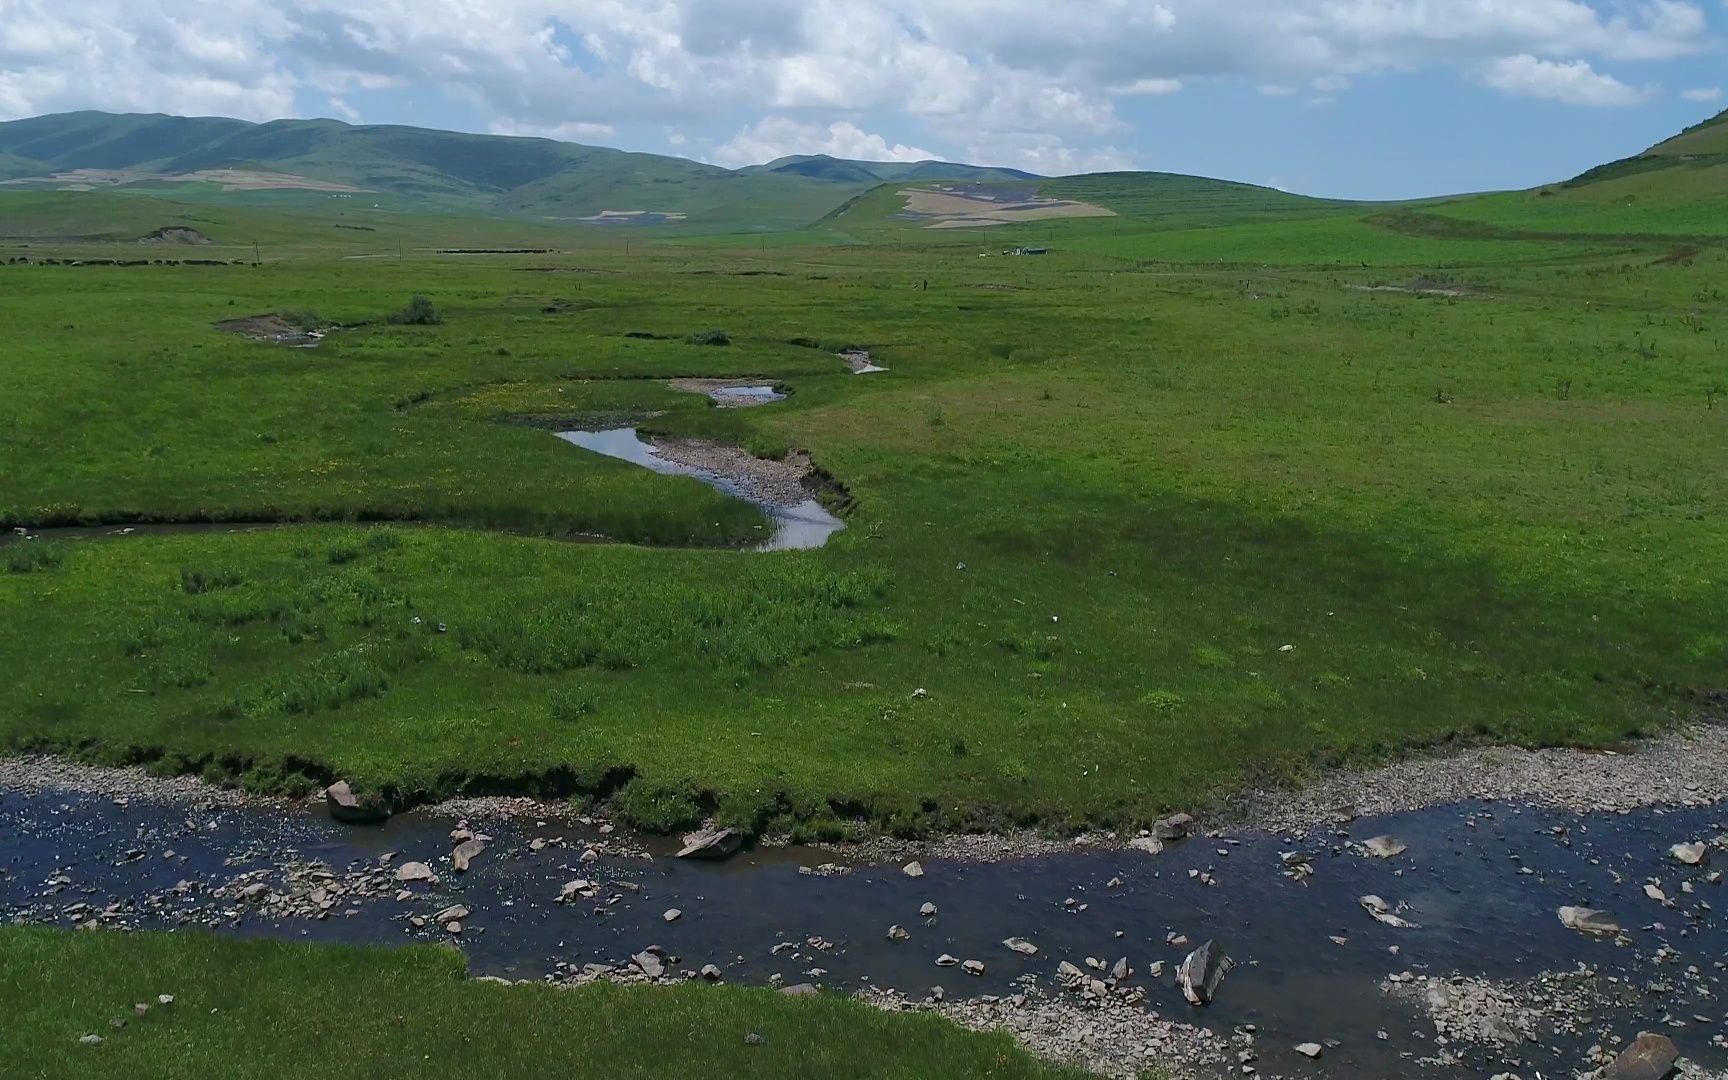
(418, 168)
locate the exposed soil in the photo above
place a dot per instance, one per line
(270, 327)
(961, 207)
(174, 234)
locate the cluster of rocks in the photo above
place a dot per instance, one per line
(1109, 1036)
(1682, 769)
(118, 1023)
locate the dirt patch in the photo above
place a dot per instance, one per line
(273, 328)
(174, 234)
(784, 482)
(859, 361)
(960, 206)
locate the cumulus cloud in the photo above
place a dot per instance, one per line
(778, 136)
(1051, 82)
(1703, 95)
(1573, 83)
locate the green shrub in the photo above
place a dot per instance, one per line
(1161, 701)
(709, 337)
(419, 312)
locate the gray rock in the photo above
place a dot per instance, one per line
(415, 871)
(1174, 827)
(711, 972)
(1201, 972)
(466, 852)
(711, 844)
(89, 1040)
(973, 967)
(947, 960)
(1151, 845)
(1650, 1057)
(453, 913)
(913, 869)
(752, 1039)
(898, 933)
(1384, 847)
(928, 910)
(1588, 921)
(1120, 969)
(649, 964)
(1691, 854)
(1021, 946)
(672, 915)
(799, 990)
(347, 807)
(1308, 1050)
(1382, 912)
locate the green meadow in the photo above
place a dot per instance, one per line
(1195, 499)
(355, 1012)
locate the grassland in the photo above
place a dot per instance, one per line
(261, 1008)
(1094, 500)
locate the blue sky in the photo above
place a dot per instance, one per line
(1355, 98)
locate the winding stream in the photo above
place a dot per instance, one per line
(799, 525)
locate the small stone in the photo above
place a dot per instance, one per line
(164, 999)
(973, 967)
(1201, 972)
(799, 990)
(898, 933)
(947, 960)
(1021, 946)
(913, 869)
(347, 807)
(672, 915)
(466, 852)
(649, 964)
(1120, 969)
(1308, 1049)
(928, 910)
(90, 1040)
(415, 871)
(752, 1039)
(711, 972)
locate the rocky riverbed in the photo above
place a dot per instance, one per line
(1461, 965)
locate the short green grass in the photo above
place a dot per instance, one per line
(267, 1008)
(1093, 501)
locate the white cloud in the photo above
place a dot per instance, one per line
(1046, 80)
(1148, 87)
(777, 137)
(574, 131)
(1573, 83)
(1703, 95)
(341, 110)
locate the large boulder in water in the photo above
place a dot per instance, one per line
(1651, 1057)
(1202, 971)
(711, 844)
(348, 807)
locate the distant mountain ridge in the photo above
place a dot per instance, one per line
(509, 174)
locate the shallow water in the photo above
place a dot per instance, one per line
(1478, 914)
(799, 526)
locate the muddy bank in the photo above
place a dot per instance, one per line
(858, 360)
(273, 328)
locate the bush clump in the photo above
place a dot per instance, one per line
(419, 312)
(710, 337)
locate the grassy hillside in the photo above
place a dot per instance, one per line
(821, 166)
